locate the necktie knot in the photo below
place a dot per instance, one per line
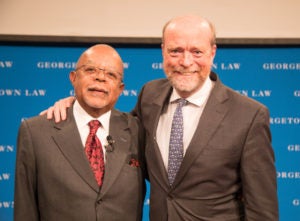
(94, 125)
(182, 102)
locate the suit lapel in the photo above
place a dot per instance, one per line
(67, 138)
(214, 112)
(157, 108)
(115, 159)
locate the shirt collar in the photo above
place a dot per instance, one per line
(83, 118)
(199, 97)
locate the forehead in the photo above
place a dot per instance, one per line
(180, 35)
(186, 38)
(104, 59)
(97, 57)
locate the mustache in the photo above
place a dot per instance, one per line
(95, 88)
(186, 71)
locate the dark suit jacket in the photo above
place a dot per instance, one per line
(228, 170)
(54, 181)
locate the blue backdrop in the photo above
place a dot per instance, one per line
(33, 77)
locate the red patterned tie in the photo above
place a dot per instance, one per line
(94, 152)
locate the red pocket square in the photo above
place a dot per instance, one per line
(134, 162)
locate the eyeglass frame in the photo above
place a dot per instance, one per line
(112, 75)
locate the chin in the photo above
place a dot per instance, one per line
(185, 86)
(96, 104)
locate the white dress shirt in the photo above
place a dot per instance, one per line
(192, 112)
(82, 119)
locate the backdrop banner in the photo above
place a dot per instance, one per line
(33, 77)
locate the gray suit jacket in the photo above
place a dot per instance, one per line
(228, 171)
(54, 181)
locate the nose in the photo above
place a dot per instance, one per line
(100, 75)
(187, 59)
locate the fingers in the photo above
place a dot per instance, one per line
(54, 111)
(49, 112)
(62, 111)
(59, 109)
(69, 101)
(43, 112)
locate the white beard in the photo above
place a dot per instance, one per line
(186, 84)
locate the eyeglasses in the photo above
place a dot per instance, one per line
(92, 70)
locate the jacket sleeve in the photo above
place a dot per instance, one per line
(137, 112)
(258, 171)
(25, 198)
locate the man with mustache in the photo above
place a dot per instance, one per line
(214, 161)
(89, 167)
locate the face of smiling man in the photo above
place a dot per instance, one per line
(98, 79)
(188, 51)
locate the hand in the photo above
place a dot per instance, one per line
(59, 110)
